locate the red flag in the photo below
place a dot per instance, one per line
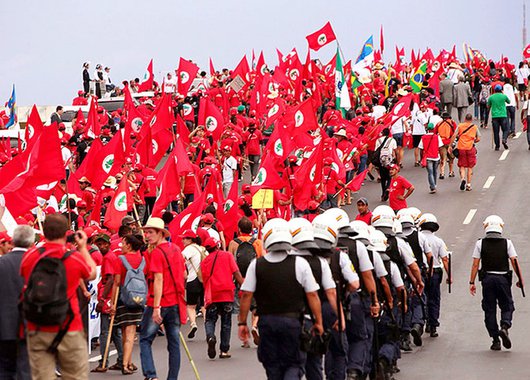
(308, 175)
(356, 183)
(34, 127)
(148, 79)
(381, 40)
(526, 51)
(228, 216)
(40, 165)
(301, 119)
(267, 177)
(321, 37)
(134, 121)
(186, 74)
(261, 66)
(169, 186)
(402, 108)
(212, 70)
(187, 218)
(121, 203)
(92, 127)
(211, 117)
(242, 70)
(279, 144)
(103, 161)
(183, 134)
(95, 214)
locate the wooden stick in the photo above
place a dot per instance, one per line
(109, 336)
(188, 353)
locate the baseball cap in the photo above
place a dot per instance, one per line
(363, 200)
(245, 188)
(127, 219)
(394, 166)
(210, 243)
(104, 237)
(189, 234)
(207, 218)
(4, 237)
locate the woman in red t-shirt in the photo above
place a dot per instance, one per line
(127, 317)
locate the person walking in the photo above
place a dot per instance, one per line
(461, 98)
(509, 91)
(445, 129)
(497, 103)
(468, 135)
(219, 270)
(446, 93)
(430, 146)
(165, 301)
(493, 254)
(400, 189)
(388, 149)
(14, 362)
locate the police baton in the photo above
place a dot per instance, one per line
(449, 274)
(375, 343)
(518, 273)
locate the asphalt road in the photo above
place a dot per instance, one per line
(462, 349)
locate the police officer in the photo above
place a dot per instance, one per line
(304, 246)
(360, 306)
(495, 252)
(325, 231)
(401, 254)
(387, 337)
(429, 225)
(281, 284)
(422, 252)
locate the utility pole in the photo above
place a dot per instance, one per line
(524, 25)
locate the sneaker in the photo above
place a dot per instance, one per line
(505, 145)
(503, 334)
(463, 185)
(433, 333)
(255, 336)
(468, 187)
(225, 355)
(451, 175)
(211, 347)
(199, 314)
(416, 332)
(404, 345)
(432, 191)
(58, 372)
(496, 345)
(192, 332)
(441, 176)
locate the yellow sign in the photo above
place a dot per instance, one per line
(263, 199)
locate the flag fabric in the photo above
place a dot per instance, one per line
(121, 203)
(356, 183)
(342, 95)
(366, 57)
(186, 74)
(308, 175)
(211, 117)
(187, 218)
(321, 37)
(267, 177)
(228, 214)
(92, 127)
(381, 40)
(526, 51)
(148, 79)
(169, 187)
(34, 127)
(243, 71)
(212, 69)
(416, 81)
(12, 106)
(103, 161)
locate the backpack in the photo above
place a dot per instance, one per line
(203, 253)
(484, 94)
(385, 155)
(134, 290)
(45, 301)
(245, 253)
(376, 158)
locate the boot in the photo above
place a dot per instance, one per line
(417, 332)
(384, 370)
(434, 333)
(354, 375)
(404, 344)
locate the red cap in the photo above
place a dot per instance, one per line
(139, 167)
(233, 112)
(313, 205)
(241, 200)
(207, 218)
(80, 92)
(245, 188)
(394, 166)
(4, 237)
(81, 203)
(210, 243)
(328, 161)
(188, 234)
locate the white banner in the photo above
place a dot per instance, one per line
(93, 315)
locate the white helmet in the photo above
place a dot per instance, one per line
(397, 228)
(383, 216)
(342, 219)
(429, 222)
(378, 241)
(493, 223)
(415, 212)
(406, 217)
(302, 234)
(363, 232)
(276, 235)
(325, 231)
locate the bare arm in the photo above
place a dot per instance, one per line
(316, 309)
(474, 271)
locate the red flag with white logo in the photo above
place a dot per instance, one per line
(148, 79)
(169, 187)
(211, 117)
(321, 37)
(34, 127)
(103, 161)
(186, 74)
(121, 203)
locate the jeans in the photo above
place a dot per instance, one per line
(14, 361)
(484, 113)
(510, 111)
(498, 124)
(254, 164)
(385, 179)
(362, 163)
(223, 309)
(116, 338)
(432, 173)
(171, 320)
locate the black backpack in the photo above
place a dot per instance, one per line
(245, 253)
(45, 302)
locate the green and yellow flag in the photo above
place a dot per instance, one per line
(416, 81)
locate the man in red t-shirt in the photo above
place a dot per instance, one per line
(219, 269)
(72, 350)
(364, 212)
(165, 300)
(399, 189)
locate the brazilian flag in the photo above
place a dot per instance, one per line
(416, 82)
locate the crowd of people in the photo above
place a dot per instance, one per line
(177, 237)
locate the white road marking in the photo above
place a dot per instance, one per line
(470, 216)
(517, 135)
(489, 181)
(504, 155)
(98, 358)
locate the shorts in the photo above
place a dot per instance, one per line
(194, 292)
(521, 87)
(399, 139)
(467, 158)
(416, 140)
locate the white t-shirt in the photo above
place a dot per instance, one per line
(304, 276)
(510, 93)
(388, 148)
(395, 275)
(398, 126)
(379, 266)
(378, 111)
(170, 85)
(66, 154)
(522, 74)
(327, 277)
(192, 255)
(405, 251)
(229, 165)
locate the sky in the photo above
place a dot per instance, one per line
(46, 42)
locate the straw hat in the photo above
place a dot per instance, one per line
(156, 224)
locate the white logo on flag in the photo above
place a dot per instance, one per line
(322, 39)
(120, 202)
(107, 163)
(260, 177)
(211, 123)
(274, 110)
(184, 77)
(298, 118)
